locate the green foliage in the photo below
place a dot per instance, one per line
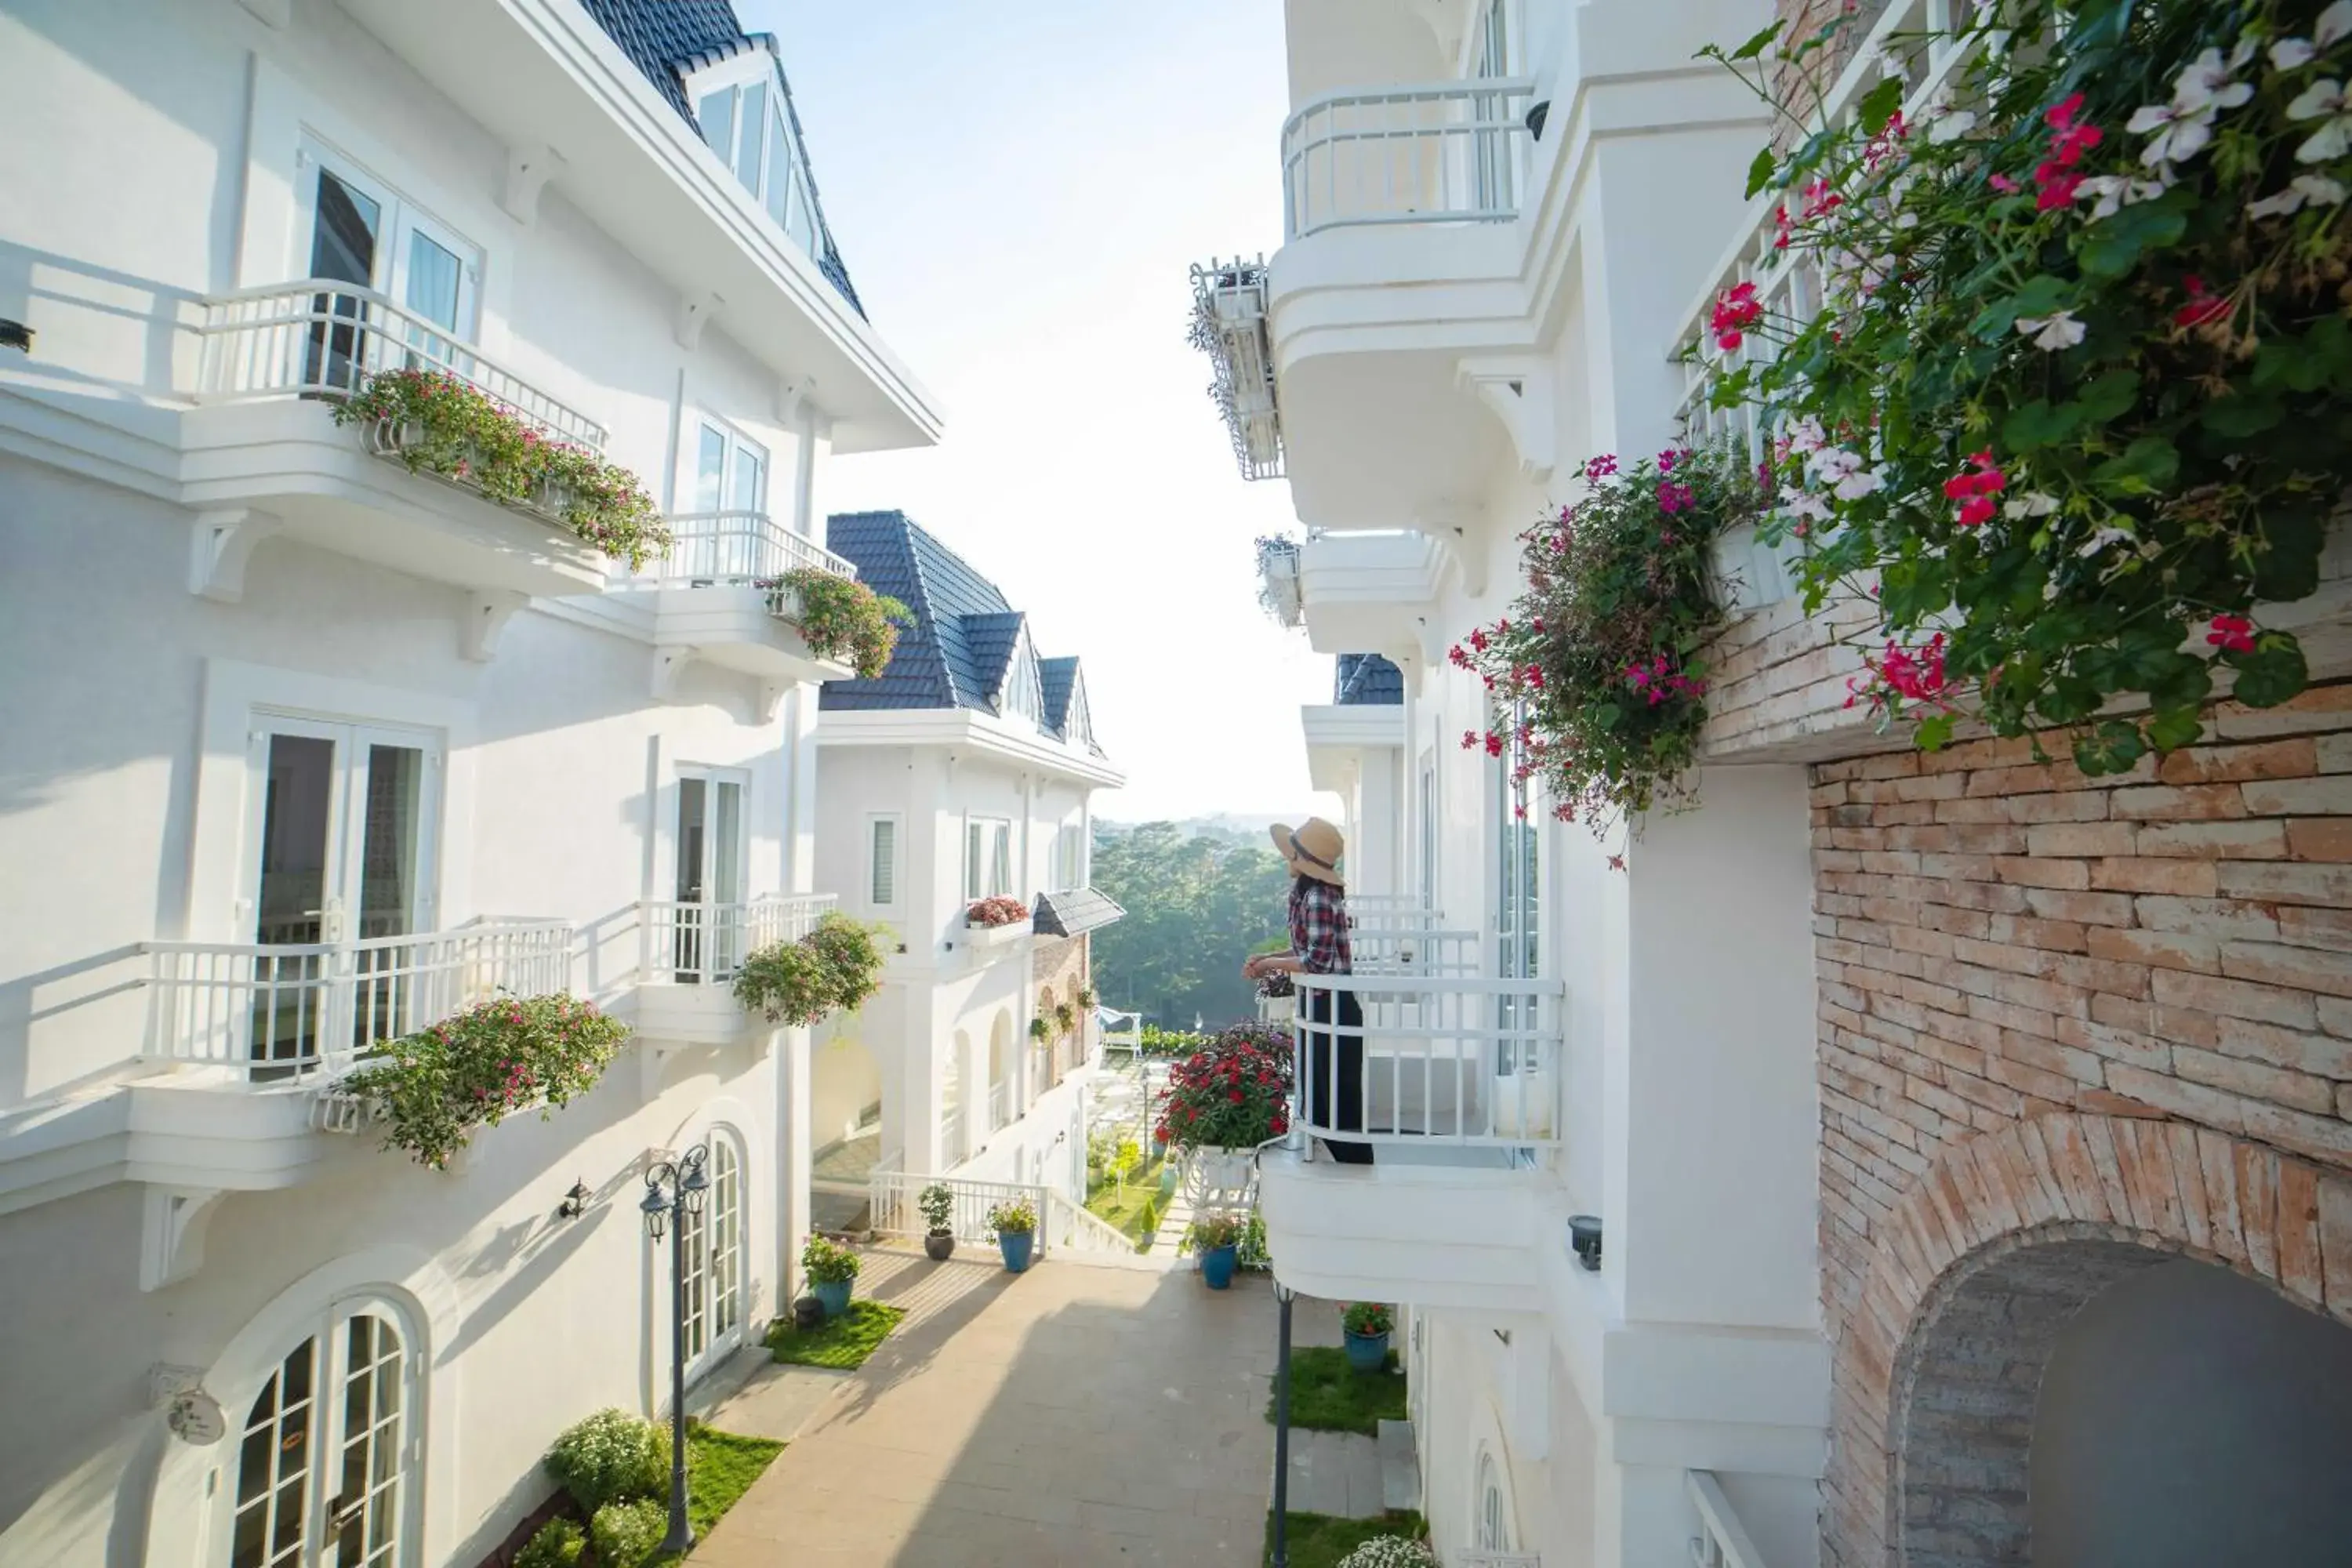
(1155, 1041)
(1327, 1395)
(1132, 1205)
(1212, 1231)
(1041, 1029)
(1602, 652)
(827, 1262)
(432, 1089)
(835, 967)
(558, 1543)
(1197, 904)
(609, 1456)
(841, 618)
(1066, 1017)
(458, 432)
(627, 1535)
(937, 1205)
(1368, 1318)
(2080, 400)
(842, 1343)
(1013, 1219)
(1324, 1539)
(1252, 1252)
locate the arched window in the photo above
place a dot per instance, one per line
(1494, 1512)
(325, 1455)
(713, 1240)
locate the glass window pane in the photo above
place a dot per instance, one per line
(755, 115)
(884, 886)
(1001, 864)
(749, 490)
(433, 277)
(342, 238)
(718, 117)
(727, 843)
(690, 792)
(395, 786)
(710, 471)
(972, 868)
(780, 170)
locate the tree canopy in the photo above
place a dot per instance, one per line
(1197, 904)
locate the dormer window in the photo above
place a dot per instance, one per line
(746, 118)
(1078, 727)
(1023, 695)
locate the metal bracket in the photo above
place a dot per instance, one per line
(694, 311)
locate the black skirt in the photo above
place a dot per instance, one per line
(1334, 1093)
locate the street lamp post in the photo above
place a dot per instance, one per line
(1281, 1557)
(674, 1190)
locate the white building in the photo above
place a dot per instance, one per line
(303, 747)
(961, 775)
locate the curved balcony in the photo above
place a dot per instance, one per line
(690, 955)
(265, 458)
(720, 596)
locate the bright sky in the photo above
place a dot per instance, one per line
(1019, 192)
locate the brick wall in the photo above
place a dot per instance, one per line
(2000, 940)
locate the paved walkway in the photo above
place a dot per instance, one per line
(1074, 1416)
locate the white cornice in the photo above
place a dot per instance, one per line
(961, 727)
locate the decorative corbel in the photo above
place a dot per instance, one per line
(172, 1233)
(670, 670)
(695, 307)
(528, 168)
(220, 542)
(795, 400)
(487, 615)
(1454, 528)
(770, 700)
(1519, 389)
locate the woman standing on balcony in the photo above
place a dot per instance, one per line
(1333, 1069)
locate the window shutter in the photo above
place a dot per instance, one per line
(885, 875)
(1003, 869)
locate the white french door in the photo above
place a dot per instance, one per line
(328, 1455)
(710, 876)
(713, 1240)
(339, 867)
(365, 233)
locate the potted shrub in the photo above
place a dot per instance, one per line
(1225, 1100)
(1368, 1325)
(1040, 1029)
(1278, 999)
(831, 1267)
(1066, 1017)
(937, 1203)
(835, 967)
(1015, 1225)
(1217, 1237)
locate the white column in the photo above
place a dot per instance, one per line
(793, 1149)
(813, 441)
(798, 741)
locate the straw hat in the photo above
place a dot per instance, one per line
(1313, 848)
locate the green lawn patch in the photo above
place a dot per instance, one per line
(719, 1468)
(1319, 1540)
(1329, 1396)
(1125, 1208)
(843, 1343)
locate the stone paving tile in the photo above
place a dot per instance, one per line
(1074, 1416)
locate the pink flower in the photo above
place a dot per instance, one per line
(1674, 498)
(1780, 228)
(1821, 201)
(2231, 633)
(1736, 308)
(1469, 739)
(1493, 744)
(2003, 183)
(1599, 468)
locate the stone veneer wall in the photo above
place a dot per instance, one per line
(1061, 964)
(2159, 964)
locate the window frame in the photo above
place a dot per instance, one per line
(897, 823)
(716, 1286)
(403, 218)
(998, 853)
(734, 445)
(791, 206)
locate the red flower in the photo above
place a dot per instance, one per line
(2060, 116)
(1780, 228)
(1235, 1096)
(1736, 308)
(2058, 187)
(2202, 306)
(1493, 744)
(2231, 633)
(1821, 201)
(1469, 739)
(1974, 490)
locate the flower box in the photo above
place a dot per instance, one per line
(393, 439)
(986, 938)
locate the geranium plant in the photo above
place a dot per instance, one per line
(449, 427)
(1232, 1093)
(432, 1089)
(1367, 1318)
(1212, 1231)
(840, 618)
(826, 1262)
(2078, 405)
(1012, 1219)
(1598, 671)
(1041, 1029)
(833, 968)
(997, 911)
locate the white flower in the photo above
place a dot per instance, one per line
(2317, 189)
(2058, 330)
(1856, 484)
(1804, 505)
(2323, 99)
(2335, 23)
(2032, 503)
(2204, 83)
(1843, 472)
(2109, 193)
(2292, 53)
(2184, 126)
(1806, 435)
(2103, 539)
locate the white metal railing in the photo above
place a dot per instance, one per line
(1790, 284)
(283, 1010)
(1279, 588)
(951, 1143)
(1409, 950)
(734, 548)
(1722, 1542)
(1445, 152)
(690, 943)
(1079, 1229)
(892, 1195)
(1229, 325)
(1474, 1062)
(319, 337)
(1000, 1105)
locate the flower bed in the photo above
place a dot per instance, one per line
(1232, 1093)
(430, 1091)
(433, 422)
(840, 617)
(999, 910)
(833, 968)
(2077, 406)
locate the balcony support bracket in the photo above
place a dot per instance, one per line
(220, 542)
(1519, 389)
(528, 168)
(670, 670)
(694, 311)
(172, 1233)
(770, 700)
(1454, 527)
(487, 615)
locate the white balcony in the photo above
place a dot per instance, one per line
(686, 966)
(1460, 1087)
(1446, 153)
(265, 458)
(1342, 739)
(1374, 589)
(721, 596)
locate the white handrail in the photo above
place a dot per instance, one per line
(694, 943)
(1722, 1540)
(1448, 152)
(1379, 950)
(731, 548)
(999, 1104)
(1453, 1060)
(892, 1196)
(321, 337)
(1081, 1229)
(286, 1010)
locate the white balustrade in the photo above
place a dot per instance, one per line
(1000, 1105)
(1722, 1540)
(1447, 1059)
(1380, 950)
(689, 943)
(895, 1211)
(1450, 151)
(1077, 1229)
(952, 1149)
(284, 1010)
(319, 337)
(735, 548)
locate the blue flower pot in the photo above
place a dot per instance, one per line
(832, 1295)
(1368, 1352)
(1016, 1246)
(1217, 1267)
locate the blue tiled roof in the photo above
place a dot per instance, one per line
(664, 39)
(1074, 911)
(1367, 679)
(964, 635)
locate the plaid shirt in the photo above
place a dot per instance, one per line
(1318, 927)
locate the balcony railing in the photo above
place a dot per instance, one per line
(320, 337)
(895, 1211)
(952, 1147)
(1447, 1060)
(690, 943)
(1000, 1105)
(731, 549)
(1229, 325)
(1722, 1542)
(1412, 950)
(277, 1011)
(1448, 153)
